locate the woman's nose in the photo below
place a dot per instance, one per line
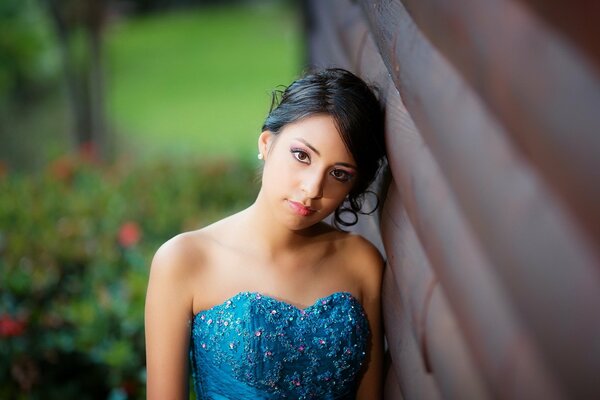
(312, 185)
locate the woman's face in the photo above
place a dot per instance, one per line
(308, 171)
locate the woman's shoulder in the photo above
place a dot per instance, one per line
(364, 261)
(188, 252)
(179, 255)
(349, 245)
(355, 247)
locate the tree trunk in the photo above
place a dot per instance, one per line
(83, 76)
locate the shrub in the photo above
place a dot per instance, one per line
(76, 242)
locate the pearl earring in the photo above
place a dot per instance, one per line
(260, 156)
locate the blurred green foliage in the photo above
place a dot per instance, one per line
(77, 237)
(76, 241)
(29, 59)
(198, 81)
(183, 82)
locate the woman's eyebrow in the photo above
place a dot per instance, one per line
(343, 164)
(319, 154)
(310, 146)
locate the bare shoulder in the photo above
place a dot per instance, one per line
(190, 258)
(362, 248)
(180, 259)
(179, 253)
(366, 263)
(168, 309)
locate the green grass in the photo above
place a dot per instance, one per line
(198, 82)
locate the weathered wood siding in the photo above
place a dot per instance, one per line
(491, 220)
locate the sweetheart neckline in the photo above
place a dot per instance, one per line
(262, 295)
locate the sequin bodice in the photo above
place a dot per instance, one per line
(253, 346)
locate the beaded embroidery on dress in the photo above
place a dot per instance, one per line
(253, 346)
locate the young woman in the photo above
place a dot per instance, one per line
(272, 302)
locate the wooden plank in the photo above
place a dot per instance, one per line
(455, 372)
(347, 20)
(324, 51)
(537, 84)
(577, 19)
(324, 38)
(408, 364)
(521, 226)
(475, 296)
(485, 320)
(414, 276)
(392, 389)
(434, 328)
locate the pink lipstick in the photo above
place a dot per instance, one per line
(300, 208)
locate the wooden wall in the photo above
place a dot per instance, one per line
(491, 219)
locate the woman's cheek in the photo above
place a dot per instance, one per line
(335, 193)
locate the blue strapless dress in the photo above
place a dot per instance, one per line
(253, 346)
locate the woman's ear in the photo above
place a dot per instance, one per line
(265, 141)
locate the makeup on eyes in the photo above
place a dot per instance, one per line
(296, 151)
(297, 147)
(348, 174)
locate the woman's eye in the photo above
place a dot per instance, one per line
(341, 175)
(300, 155)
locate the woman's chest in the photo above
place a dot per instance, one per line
(265, 342)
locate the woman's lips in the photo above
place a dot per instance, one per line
(300, 208)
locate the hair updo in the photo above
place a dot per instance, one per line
(358, 116)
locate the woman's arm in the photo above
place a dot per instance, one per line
(167, 315)
(371, 384)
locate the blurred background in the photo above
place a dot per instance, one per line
(122, 123)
